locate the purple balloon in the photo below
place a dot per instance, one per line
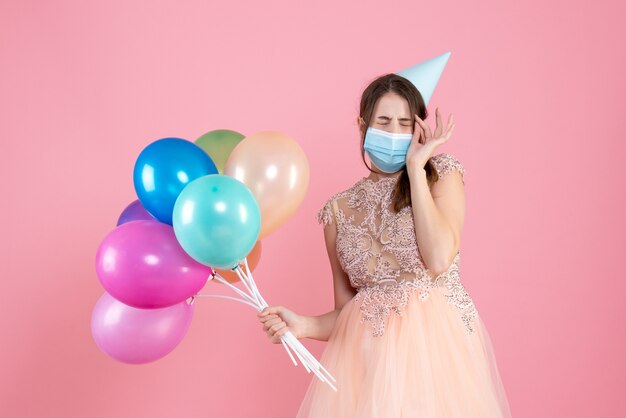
(137, 336)
(134, 212)
(141, 264)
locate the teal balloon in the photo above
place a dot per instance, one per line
(217, 220)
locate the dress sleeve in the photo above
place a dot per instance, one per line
(445, 163)
(325, 215)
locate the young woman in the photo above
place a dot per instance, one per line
(404, 339)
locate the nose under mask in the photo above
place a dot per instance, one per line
(387, 150)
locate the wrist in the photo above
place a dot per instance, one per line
(415, 170)
(307, 325)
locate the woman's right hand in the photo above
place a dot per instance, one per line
(277, 320)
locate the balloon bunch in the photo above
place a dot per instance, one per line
(201, 212)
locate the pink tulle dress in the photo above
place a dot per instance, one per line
(408, 344)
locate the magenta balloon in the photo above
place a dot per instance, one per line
(134, 212)
(141, 264)
(136, 336)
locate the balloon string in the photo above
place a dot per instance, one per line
(236, 289)
(246, 278)
(309, 355)
(256, 301)
(245, 282)
(248, 274)
(308, 358)
(255, 305)
(250, 286)
(225, 297)
(249, 277)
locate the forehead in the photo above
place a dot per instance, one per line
(391, 104)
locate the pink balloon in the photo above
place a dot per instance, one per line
(141, 264)
(136, 336)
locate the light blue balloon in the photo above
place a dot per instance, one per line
(217, 220)
(163, 169)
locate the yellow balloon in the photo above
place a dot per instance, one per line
(276, 170)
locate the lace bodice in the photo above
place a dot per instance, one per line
(378, 249)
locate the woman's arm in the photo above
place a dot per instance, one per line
(438, 216)
(277, 319)
(319, 327)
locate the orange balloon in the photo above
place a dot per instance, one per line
(253, 260)
(276, 170)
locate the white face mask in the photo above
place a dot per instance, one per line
(387, 150)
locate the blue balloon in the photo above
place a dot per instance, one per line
(162, 171)
(217, 220)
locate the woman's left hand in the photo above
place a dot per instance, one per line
(424, 143)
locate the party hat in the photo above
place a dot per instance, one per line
(425, 75)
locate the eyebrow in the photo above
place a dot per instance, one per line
(400, 119)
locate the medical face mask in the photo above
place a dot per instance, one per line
(387, 150)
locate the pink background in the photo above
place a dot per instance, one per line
(537, 89)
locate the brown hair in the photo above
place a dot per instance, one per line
(399, 85)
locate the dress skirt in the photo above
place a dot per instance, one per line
(425, 364)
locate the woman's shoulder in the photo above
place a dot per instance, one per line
(325, 214)
(446, 162)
